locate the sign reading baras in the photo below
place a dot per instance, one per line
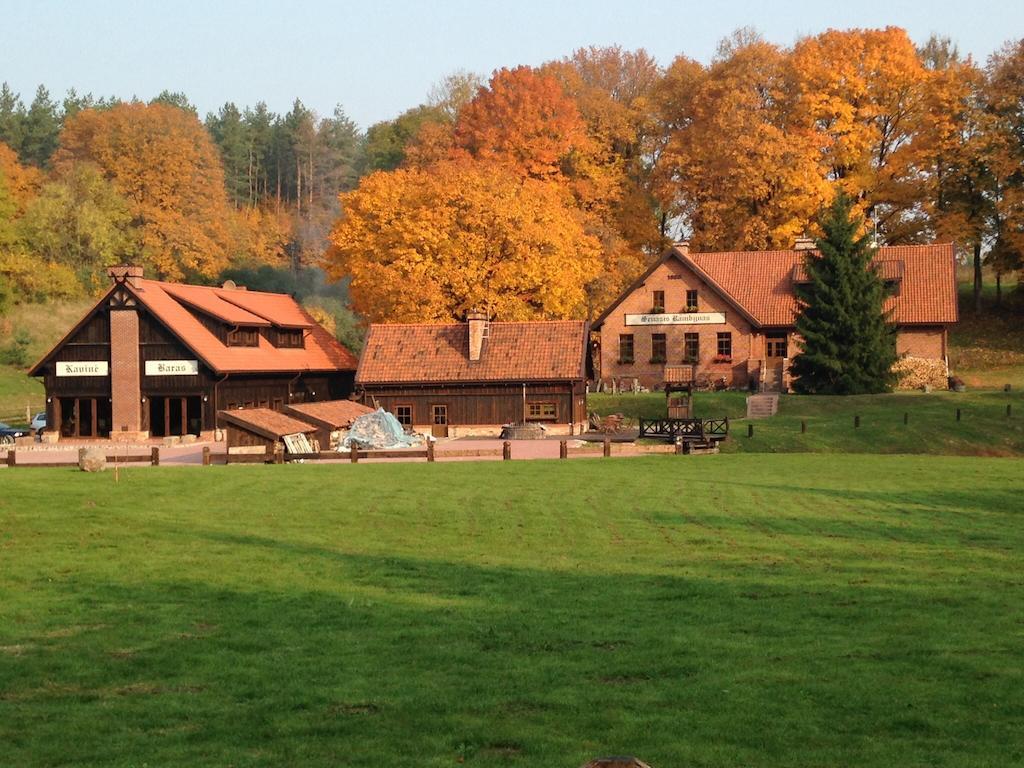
(84, 368)
(172, 367)
(682, 318)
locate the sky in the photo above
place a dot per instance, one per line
(377, 59)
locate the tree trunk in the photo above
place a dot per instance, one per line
(977, 277)
(298, 184)
(999, 289)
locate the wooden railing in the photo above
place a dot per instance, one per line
(686, 429)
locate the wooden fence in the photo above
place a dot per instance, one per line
(428, 454)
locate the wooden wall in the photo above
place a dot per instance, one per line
(482, 404)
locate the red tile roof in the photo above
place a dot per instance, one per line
(337, 413)
(265, 422)
(760, 283)
(530, 351)
(208, 301)
(322, 351)
(170, 302)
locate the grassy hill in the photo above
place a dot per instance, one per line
(45, 324)
(716, 611)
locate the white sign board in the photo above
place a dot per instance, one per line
(172, 367)
(84, 368)
(683, 318)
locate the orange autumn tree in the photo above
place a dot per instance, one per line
(430, 244)
(162, 160)
(745, 175)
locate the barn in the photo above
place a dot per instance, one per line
(730, 316)
(463, 379)
(155, 359)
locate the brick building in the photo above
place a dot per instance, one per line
(459, 379)
(731, 315)
(152, 358)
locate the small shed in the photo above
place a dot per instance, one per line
(261, 427)
(328, 416)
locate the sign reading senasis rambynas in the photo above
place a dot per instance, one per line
(172, 367)
(84, 368)
(683, 318)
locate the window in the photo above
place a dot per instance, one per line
(691, 301)
(244, 337)
(625, 347)
(725, 346)
(777, 345)
(404, 415)
(691, 347)
(541, 412)
(658, 348)
(659, 302)
(440, 413)
(290, 338)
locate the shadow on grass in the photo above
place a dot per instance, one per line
(407, 661)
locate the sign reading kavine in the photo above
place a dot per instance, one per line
(172, 367)
(84, 368)
(683, 318)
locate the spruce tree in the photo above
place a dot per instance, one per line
(847, 347)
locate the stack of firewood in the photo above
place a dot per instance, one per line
(920, 373)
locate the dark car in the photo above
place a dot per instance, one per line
(8, 433)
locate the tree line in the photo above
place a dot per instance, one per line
(538, 193)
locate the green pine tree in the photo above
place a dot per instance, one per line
(847, 347)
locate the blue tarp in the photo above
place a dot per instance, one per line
(379, 429)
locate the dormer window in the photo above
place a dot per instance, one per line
(290, 338)
(244, 336)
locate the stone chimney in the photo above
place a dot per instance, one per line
(126, 273)
(477, 322)
(804, 244)
(682, 246)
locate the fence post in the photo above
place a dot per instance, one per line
(958, 414)
(906, 418)
(206, 455)
(856, 421)
(430, 450)
(154, 456)
(354, 454)
(750, 430)
(803, 426)
(11, 458)
(1009, 410)
(607, 447)
(506, 451)
(278, 454)
(563, 449)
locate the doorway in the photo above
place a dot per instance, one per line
(439, 422)
(175, 416)
(776, 353)
(84, 416)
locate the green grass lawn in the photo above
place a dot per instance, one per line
(983, 429)
(716, 611)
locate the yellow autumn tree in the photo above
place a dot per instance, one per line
(861, 91)
(164, 163)
(428, 245)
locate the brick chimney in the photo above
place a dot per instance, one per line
(683, 246)
(804, 244)
(126, 273)
(477, 322)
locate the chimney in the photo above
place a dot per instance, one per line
(126, 273)
(804, 244)
(477, 322)
(683, 246)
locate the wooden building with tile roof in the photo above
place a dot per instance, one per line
(152, 358)
(471, 378)
(731, 315)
